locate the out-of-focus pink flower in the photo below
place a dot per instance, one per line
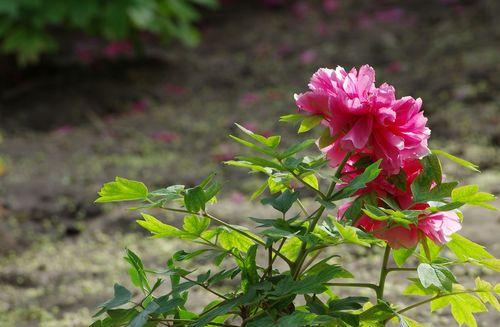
(250, 125)
(172, 89)
(284, 50)
(86, 49)
(390, 15)
(63, 130)
(307, 56)
(366, 119)
(249, 99)
(237, 197)
(331, 5)
(224, 152)
(322, 28)
(301, 9)
(364, 20)
(394, 67)
(118, 48)
(165, 137)
(140, 106)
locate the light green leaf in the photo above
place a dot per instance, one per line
(487, 295)
(309, 123)
(122, 189)
(230, 239)
(157, 228)
(195, 224)
(349, 234)
(463, 307)
(470, 194)
(291, 118)
(460, 161)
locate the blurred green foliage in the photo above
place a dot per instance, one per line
(29, 28)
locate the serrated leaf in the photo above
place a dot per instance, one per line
(463, 307)
(470, 194)
(122, 189)
(282, 202)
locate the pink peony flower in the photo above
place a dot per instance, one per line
(366, 119)
(440, 225)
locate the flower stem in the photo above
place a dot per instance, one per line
(383, 273)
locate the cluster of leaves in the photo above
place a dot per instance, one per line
(283, 270)
(28, 28)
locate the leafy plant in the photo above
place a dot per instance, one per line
(29, 28)
(284, 270)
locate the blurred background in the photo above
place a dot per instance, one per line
(150, 89)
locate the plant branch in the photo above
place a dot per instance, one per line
(383, 273)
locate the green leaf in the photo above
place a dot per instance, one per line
(142, 318)
(282, 202)
(122, 296)
(195, 224)
(466, 250)
(296, 148)
(157, 228)
(401, 255)
(137, 272)
(230, 239)
(371, 172)
(312, 283)
(194, 199)
(487, 293)
(291, 118)
(254, 147)
(271, 142)
(348, 303)
(433, 166)
(350, 234)
(460, 161)
(166, 305)
(122, 190)
(463, 307)
(309, 123)
(470, 194)
(312, 181)
(437, 275)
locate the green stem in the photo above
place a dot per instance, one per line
(383, 273)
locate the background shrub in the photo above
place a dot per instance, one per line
(30, 28)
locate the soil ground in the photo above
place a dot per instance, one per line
(69, 129)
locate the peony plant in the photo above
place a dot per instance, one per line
(375, 184)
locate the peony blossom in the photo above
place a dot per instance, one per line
(366, 119)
